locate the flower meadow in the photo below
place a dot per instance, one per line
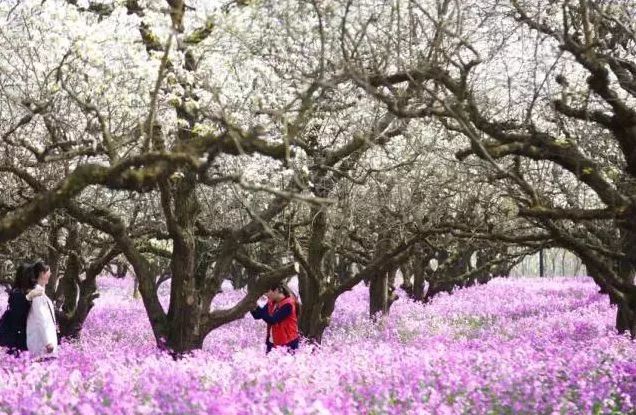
(513, 346)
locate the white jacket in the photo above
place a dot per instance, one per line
(41, 329)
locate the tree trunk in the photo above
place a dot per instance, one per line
(416, 267)
(312, 325)
(69, 284)
(382, 292)
(392, 294)
(407, 277)
(626, 268)
(121, 269)
(71, 323)
(379, 282)
(53, 260)
(624, 301)
(343, 269)
(184, 331)
(626, 316)
(313, 319)
(437, 287)
(72, 318)
(313, 283)
(379, 294)
(485, 256)
(419, 282)
(136, 294)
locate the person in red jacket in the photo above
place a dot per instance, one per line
(281, 315)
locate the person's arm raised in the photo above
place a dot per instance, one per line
(36, 292)
(259, 312)
(278, 316)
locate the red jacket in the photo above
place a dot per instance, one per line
(287, 330)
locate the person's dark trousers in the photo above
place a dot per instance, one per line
(291, 346)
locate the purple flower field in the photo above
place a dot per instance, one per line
(514, 346)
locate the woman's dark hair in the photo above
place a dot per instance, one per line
(281, 288)
(34, 272)
(21, 280)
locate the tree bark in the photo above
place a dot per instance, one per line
(69, 284)
(73, 316)
(407, 277)
(626, 269)
(53, 260)
(419, 281)
(379, 294)
(313, 283)
(626, 316)
(379, 282)
(186, 308)
(417, 265)
(71, 324)
(314, 318)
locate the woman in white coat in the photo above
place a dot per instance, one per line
(41, 330)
